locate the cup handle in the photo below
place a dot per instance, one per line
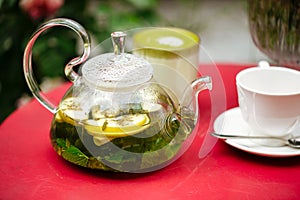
(70, 73)
(263, 64)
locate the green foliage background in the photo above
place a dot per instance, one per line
(54, 49)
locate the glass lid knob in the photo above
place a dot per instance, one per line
(118, 40)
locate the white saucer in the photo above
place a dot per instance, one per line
(231, 122)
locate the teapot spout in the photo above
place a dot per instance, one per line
(190, 97)
(188, 115)
(202, 83)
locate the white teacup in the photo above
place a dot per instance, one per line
(269, 99)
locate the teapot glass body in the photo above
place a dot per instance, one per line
(123, 126)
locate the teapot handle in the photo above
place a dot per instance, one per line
(70, 73)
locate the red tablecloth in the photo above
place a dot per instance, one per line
(31, 169)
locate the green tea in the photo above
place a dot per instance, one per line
(130, 139)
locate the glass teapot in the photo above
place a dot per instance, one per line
(116, 117)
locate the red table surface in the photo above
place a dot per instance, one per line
(31, 169)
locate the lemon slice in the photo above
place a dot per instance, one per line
(70, 111)
(58, 117)
(120, 126)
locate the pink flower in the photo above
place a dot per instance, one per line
(40, 8)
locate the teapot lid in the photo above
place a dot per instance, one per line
(118, 69)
